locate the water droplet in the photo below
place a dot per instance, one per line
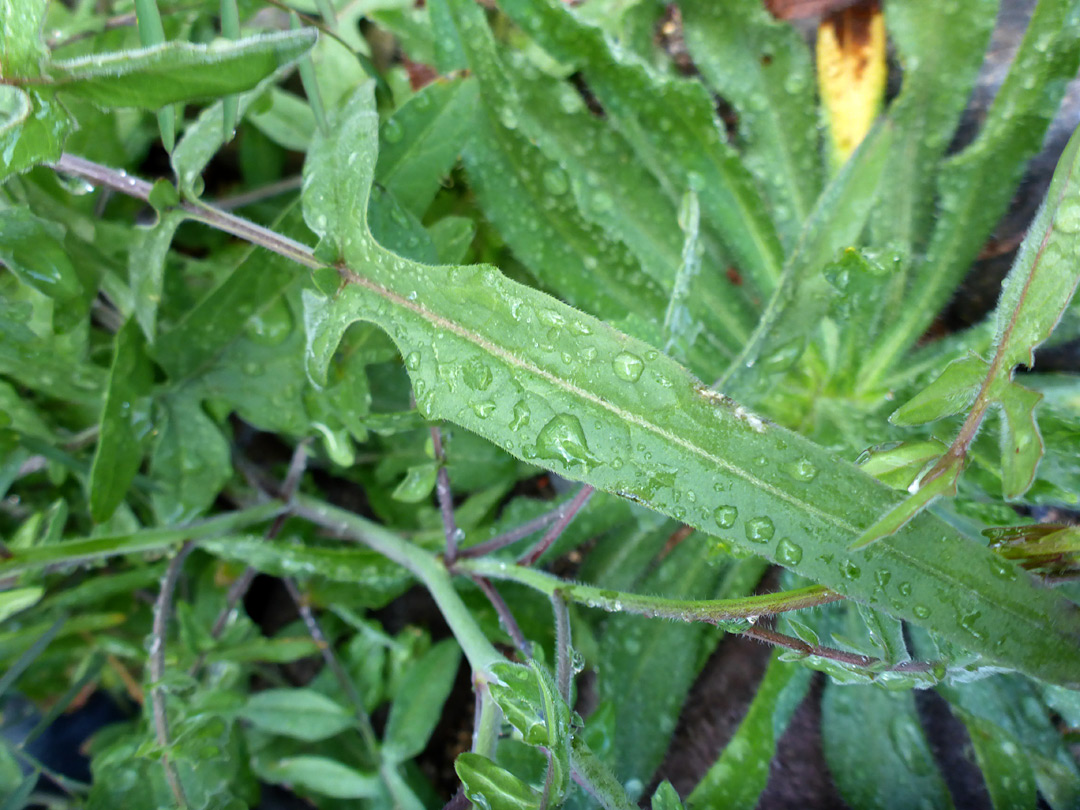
(252, 368)
(628, 366)
(1002, 570)
(803, 470)
(271, 326)
(759, 529)
(788, 553)
(602, 202)
(412, 362)
(904, 588)
(521, 415)
(850, 570)
(393, 132)
(634, 789)
(967, 621)
(921, 611)
(476, 374)
(508, 117)
(483, 409)
(555, 181)
(562, 439)
(882, 578)
(725, 516)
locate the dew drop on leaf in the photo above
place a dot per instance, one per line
(850, 570)
(759, 529)
(803, 470)
(921, 611)
(476, 374)
(555, 181)
(788, 553)
(521, 415)
(904, 588)
(483, 409)
(562, 439)
(393, 131)
(412, 362)
(725, 516)
(628, 366)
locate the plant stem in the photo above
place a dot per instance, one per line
(334, 664)
(162, 609)
(121, 181)
(513, 535)
(506, 618)
(841, 656)
(445, 497)
(708, 610)
(429, 570)
(563, 673)
(553, 534)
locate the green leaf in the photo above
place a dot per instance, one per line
(178, 71)
(146, 269)
(488, 785)
(1009, 779)
(299, 713)
(530, 701)
(22, 48)
(75, 552)
(666, 798)
(18, 599)
(540, 220)
(893, 766)
(33, 249)
(33, 127)
(419, 701)
(610, 183)
(205, 135)
(657, 434)
(125, 424)
(763, 68)
(951, 393)
(284, 118)
(220, 317)
(940, 48)
(191, 461)
(738, 777)
(1045, 275)
(417, 484)
(1021, 444)
(976, 185)
(422, 141)
(671, 124)
(323, 776)
(804, 293)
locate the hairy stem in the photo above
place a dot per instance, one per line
(689, 610)
(445, 497)
(429, 570)
(514, 535)
(334, 664)
(553, 534)
(162, 609)
(506, 617)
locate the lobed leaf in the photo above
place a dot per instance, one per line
(556, 387)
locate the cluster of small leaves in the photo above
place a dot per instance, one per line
(528, 226)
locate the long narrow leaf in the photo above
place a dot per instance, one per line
(551, 385)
